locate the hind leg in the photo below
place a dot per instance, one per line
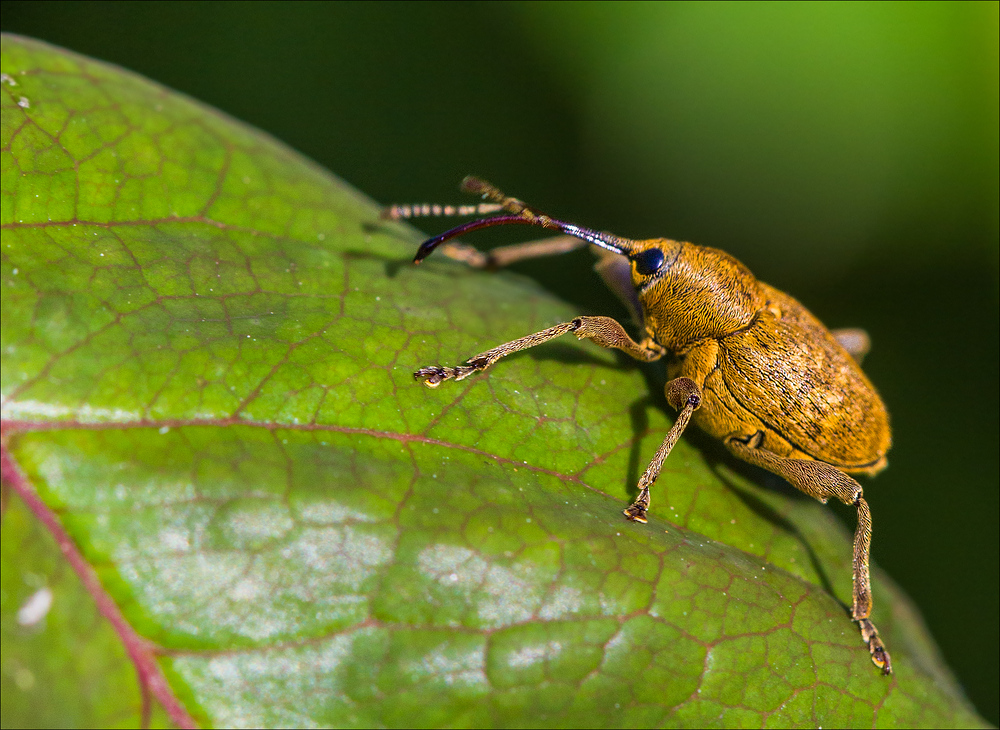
(823, 481)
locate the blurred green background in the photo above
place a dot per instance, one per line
(847, 153)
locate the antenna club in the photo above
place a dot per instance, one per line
(476, 185)
(488, 191)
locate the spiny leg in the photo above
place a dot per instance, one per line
(822, 481)
(604, 331)
(684, 395)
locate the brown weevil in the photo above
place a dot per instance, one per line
(747, 363)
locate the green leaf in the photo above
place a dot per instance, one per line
(207, 351)
(69, 669)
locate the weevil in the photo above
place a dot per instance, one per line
(746, 363)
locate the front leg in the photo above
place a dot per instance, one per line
(604, 331)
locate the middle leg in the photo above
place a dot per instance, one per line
(685, 396)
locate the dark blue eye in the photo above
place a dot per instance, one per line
(648, 262)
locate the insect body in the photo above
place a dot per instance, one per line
(747, 363)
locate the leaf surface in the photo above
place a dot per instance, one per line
(207, 348)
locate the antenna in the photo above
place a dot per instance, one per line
(519, 213)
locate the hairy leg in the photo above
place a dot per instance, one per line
(604, 331)
(684, 395)
(823, 481)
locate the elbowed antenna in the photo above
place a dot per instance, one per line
(519, 214)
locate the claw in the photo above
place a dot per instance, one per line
(635, 513)
(432, 376)
(880, 657)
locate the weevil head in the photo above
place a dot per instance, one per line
(690, 292)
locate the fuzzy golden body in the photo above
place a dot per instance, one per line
(784, 375)
(747, 363)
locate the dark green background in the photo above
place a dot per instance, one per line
(847, 153)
